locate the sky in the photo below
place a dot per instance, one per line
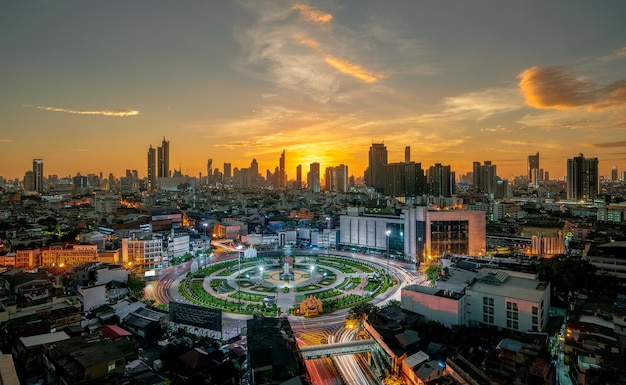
(89, 86)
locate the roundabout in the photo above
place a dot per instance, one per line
(279, 284)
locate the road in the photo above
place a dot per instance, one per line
(353, 369)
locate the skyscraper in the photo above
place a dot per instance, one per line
(298, 177)
(440, 180)
(404, 180)
(614, 174)
(151, 168)
(282, 174)
(534, 174)
(407, 154)
(38, 174)
(313, 177)
(209, 169)
(583, 182)
(227, 171)
(484, 177)
(375, 173)
(164, 159)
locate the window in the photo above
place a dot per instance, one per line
(111, 366)
(535, 310)
(535, 320)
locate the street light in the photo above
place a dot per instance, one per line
(239, 247)
(388, 233)
(328, 248)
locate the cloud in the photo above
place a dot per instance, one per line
(554, 87)
(495, 129)
(307, 41)
(620, 52)
(483, 104)
(351, 69)
(312, 14)
(610, 144)
(558, 88)
(120, 113)
(3, 140)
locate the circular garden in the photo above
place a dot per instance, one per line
(263, 285)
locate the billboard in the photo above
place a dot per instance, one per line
(198, 316)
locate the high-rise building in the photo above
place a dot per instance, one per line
(407, 154)
(227, 171)
(209, 169)
(164, 159)
(614, 174)
(534, 174)
(336, 179)
(375, 173)
(38, 174)
(152, 168)
(583, 182)
(313, 177)
(404, 180)
(298, 177)
(440, 180)
(484, 177)
(282, 174)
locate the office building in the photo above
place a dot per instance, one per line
(534, 173)
(164, 159)
(614, 174)
(228, 171)
(440, 180)
(407, 154)
(298, 177)
(419, 233)
(152, 168)
(484, 178)
(38, 175)
(147, 253)
(336, 179)
(282, 176)
(313, 177)
(583, 181)
(404, 180)
(375, 173)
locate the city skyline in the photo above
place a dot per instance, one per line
(88, 88)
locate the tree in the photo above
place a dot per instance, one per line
(432, 273)
(358, 312)
(136, 285)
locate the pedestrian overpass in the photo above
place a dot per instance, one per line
(337, 349)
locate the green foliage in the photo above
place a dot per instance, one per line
(433, 272)
(566, 274)
(358, 312)
(136, 285)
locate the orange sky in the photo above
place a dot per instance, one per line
(233, 81)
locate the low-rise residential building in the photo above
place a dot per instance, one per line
(496, 298)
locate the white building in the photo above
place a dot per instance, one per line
(503, 299)
(418, 232)
(147, 253)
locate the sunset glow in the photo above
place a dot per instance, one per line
(242, 80)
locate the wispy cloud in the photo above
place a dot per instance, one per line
(621, 143)
(559, 88)
(120, 113)
(495, 129)
(352, 69)
(483, 104)
(621, 52)
(3, 140)
(312, 14)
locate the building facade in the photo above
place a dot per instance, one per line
(418, 233)
(583, 181)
